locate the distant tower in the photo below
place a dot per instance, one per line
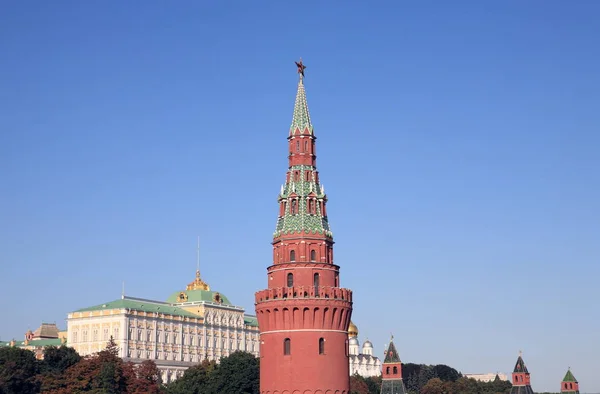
(391, 382)
(304, 315)
(569, 384)
(521, 379)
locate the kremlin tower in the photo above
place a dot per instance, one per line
(391, 376)
(521, 379)
(569, 384)
(303, 315)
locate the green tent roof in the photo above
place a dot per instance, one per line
(391, 355)
(141, 305)
(520, 366)
(569, 377)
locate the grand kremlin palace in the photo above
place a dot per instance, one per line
(192, 325)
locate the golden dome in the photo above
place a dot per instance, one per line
(352, 330)
(198, 284)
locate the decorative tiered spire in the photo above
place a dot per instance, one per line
(302, 198)
(569, 384)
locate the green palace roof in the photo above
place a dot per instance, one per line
(198, 291)
(140, 305)
(198, 296)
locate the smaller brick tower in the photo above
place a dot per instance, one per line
(391, 382)
(520, 378)
(569, 384)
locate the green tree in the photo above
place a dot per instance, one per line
(445, 373)
(58, 359)
(236, 374)
(358, 385)
(194, 380)
(18, 370)
(434, 386)
(374, 384)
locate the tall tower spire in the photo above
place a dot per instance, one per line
(521, 379)
(303, 315)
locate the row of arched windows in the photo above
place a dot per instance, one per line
(299, 145)
(287, 346)
(290, 280)
(387, 370)
(313, 256)
(569, 386)
(294, 207)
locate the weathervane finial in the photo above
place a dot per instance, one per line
(301, 68)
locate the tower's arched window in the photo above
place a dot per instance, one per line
(321, 345)
(313, 255)
(297, 146)
(293, 255)
(287, 347)
(387, 370)
(294, 206)
(290, 280)
(316, 280)
(306, 146)
(307, 176)
(395, 370)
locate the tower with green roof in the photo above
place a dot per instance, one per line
(391, 382)
(521, 379)
(303, 315)
(569, 384)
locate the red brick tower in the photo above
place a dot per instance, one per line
(569, 384)
(391, 375)
(521, 379)
(304, 315)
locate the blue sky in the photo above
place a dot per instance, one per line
(458, 143)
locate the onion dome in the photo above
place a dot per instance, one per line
(368, 344)
(352, 330)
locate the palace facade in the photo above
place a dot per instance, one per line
(190, 326)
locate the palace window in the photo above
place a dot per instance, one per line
(292, 255)
(313, 255)
(290, 280)
(75, 337)
(321, 345)
(287, 347)
(95, 335)
(105, 337)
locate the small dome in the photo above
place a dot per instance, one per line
(352, 330)
(353, 341)
(367, 344)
